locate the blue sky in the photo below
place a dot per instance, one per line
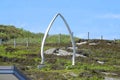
(99, 17)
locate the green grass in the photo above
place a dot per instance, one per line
(61, 66)
(50, 39)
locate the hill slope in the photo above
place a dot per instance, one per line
(9, 32)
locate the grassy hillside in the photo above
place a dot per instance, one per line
(59, 67)
(8, 32)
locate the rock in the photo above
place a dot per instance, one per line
(73, 74)
(58, 52)
(28, 67)
(117, 66)
(71, 48)
(84, 53)
(108, 73)
(109, 44)
(111, 78)
(63, 53)
(80, 55)
(81, 43)
(92, 44)
(50, 51)
(100, 62)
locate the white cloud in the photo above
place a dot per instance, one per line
(111, 16)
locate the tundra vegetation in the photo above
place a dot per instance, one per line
(102, 59)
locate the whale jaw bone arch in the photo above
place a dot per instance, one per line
(45, 35)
